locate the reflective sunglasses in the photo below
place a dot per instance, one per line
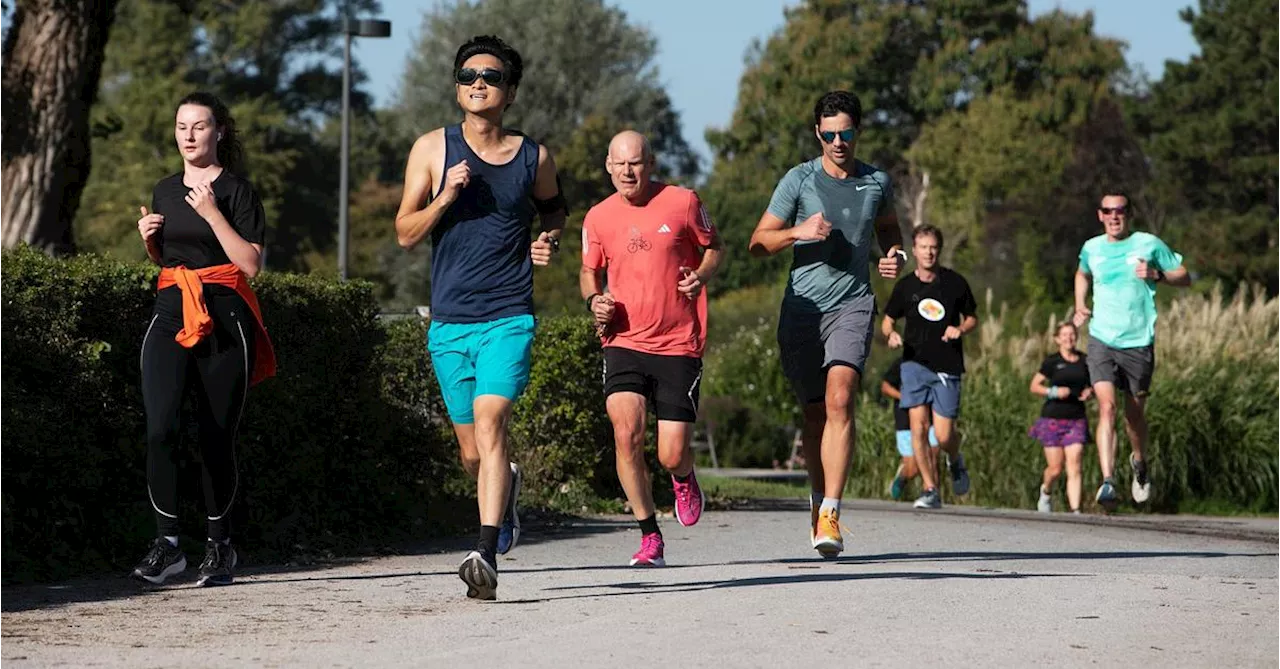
(846, 136)
(468, 75)
(1113, 210)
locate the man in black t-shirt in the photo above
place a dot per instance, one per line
(939, 309)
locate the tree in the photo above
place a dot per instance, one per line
(876, 50)
(588, 74)
(998, 157)
(276, 64)
(52, 56)
(969, 105)
(581, 59)
(1210, 130)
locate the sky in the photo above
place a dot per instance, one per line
(702, 44)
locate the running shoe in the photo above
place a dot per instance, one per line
(1045, 505)
(480, 576)
(689, 500)
(509, 531)
(650, 553)
(1107, 497)
(219, 564)
(959, 477)
(898, 486)
(161, 561)
(827, 539)
(929, 500)
(1141, 483)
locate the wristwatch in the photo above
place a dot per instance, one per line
(555, 243)
(1159, 275)
(901, 254)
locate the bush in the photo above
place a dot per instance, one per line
(347, 449)
(560, 433)
(329, 457)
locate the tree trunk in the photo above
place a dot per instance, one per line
(52, 58)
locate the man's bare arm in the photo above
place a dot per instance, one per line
(1178, 276)
(546, 187)
(413, 220)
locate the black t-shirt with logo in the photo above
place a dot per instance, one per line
(1065, 374)
(929, 309)
(901, 417)
(186, 238)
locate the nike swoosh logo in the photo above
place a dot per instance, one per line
(861, 188)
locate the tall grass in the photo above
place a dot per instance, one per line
(1213, 411)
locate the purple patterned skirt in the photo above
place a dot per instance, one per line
(1059, 432)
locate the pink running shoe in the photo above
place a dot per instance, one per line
(650, 553)
(689, 500)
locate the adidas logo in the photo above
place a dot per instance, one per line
(664, 229)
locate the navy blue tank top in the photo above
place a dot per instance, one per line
(480, 265)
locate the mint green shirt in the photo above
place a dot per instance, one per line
(1124, 306)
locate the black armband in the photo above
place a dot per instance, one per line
(554, 203)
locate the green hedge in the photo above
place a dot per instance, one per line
(347, 449)
(336, 453)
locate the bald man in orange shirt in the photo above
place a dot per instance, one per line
(657, 248)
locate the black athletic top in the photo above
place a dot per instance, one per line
(1071, 375)
(186, 239)
(929, 309)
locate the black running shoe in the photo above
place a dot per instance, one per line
(162, 561)
(480, 575)
(219, 563)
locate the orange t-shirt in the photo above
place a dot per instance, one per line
(643, 248)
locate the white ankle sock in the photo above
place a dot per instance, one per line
(173, 541)
(830, 504)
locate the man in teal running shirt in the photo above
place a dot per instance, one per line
(1124, 267)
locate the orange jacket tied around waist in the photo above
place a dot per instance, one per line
(196, 322)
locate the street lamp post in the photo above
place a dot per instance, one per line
(350, 28)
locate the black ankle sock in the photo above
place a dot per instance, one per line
(685, 478)
(488, 544)
(649, 525)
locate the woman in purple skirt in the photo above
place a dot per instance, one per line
(1063, 427)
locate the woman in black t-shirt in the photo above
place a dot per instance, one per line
(205, 229)
(1063, 426)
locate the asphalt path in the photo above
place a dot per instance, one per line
(953, 588)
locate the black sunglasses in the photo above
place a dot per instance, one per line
(1113, 210)
(468, 75)
(846, 136)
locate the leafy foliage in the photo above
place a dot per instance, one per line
(1210, 129)
(276, 65)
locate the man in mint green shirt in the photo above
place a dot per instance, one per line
(1124, 267)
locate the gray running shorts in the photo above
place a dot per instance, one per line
(812, 343)
(1130, 369)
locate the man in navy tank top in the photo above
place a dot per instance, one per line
(475, 188)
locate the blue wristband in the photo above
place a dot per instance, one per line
(1052, 394)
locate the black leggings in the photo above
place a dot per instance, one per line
(218, 370)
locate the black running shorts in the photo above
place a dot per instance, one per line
(670, 383)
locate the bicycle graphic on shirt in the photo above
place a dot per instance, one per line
(638, 242)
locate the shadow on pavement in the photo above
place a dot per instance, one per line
(891, 558)
(106, 587)
(650, 588)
